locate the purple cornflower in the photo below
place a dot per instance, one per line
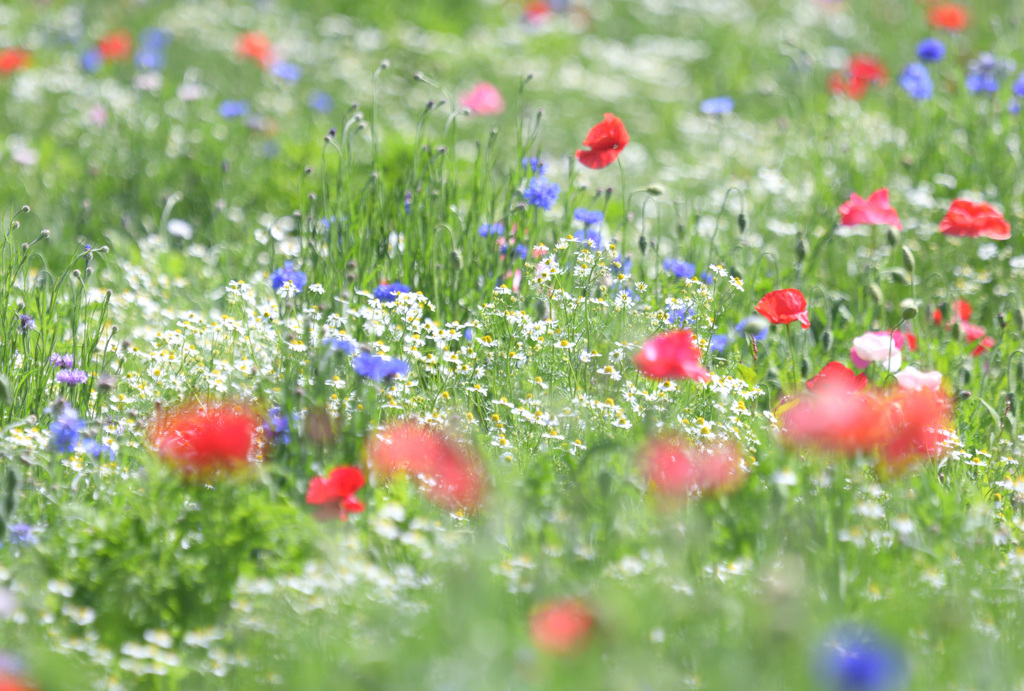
(96, 448)
(378, 368)
(1018, 86)
(541, 192)
(287, 273)
(71, 377)
(931, 50)
(534, 164)
(680, 268)
(720, 105)
(64, 430)
(62, 361)
(389, 292)
(588, 217)
(23, 534)
(982, 74)
(233, 109)
(26, 323)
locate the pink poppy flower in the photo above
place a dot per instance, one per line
(484, 99)
(873, 211)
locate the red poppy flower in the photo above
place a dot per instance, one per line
(835, 419)
(917, 419)
(606, 140)
(974, 333)
(536, 12)
(561, 626)
(201, 439)
(785, 306)
(974, 220)
(949, 16)
(675, 469)
(960, 311)
(448, 474)
(671, 355)
(863, 71)
(253, 45)
(875, 210)
(837, 375)
(116, 46)
(338, 489)
(13, 59)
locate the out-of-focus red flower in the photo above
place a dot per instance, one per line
(917, 419)
(9, 683)
(338, 489)
(676, 469)
(832, 418)
(875, 210)
(116, 46)
(837, 375)
(973, 333)
(960, 311)
(537, 12)
(606, 141)
(449, 474)
(974, 220)
(949, 16)
(672, 355)
(256, 46)
(561, 626)
(785, 306)
(911, 340)
(863, 72)
(200, 439)
(13, 59)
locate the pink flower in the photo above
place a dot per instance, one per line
(873, 211)
(913, 379)
(878, 346)
(484, 99)
(671, 355)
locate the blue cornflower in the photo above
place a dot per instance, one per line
(340, 345)
(682, 316)
(588, 217)
(541, 192)
(154, 39)
(1018, 86)
(321, 101)
(148, 59)
(490, 230)
(520, 250)
(720, 105)
(408, 202)
(624, 264)
(916, 81)
(286, 273)
(856, 659)
(1013, 106)
(92, 60)
(707, 277)
(378, 368)
(931, 50)
(71, 377)
(23, 534)
(981, 74)
(277, 426)
(718, 342)
(96, 448)
(534, 164)
(233, 109)
(758, 336)
(589, 238)
(468, 334)
(65, 429)
(680, 268)
(389, 292)
(288, 71)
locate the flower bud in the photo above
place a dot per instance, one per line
(957, 331)
(876, 292)
(909, 262)
(643, 244)
(805, 367)
(963, 376)
(802, 248)
(892, 236)
(741, 221)
(909, 312)
(827, 340)
(901, 276)
(755, 325)
(456, 259)
(1018, 318)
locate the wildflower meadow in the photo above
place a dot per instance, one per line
(508, 344)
